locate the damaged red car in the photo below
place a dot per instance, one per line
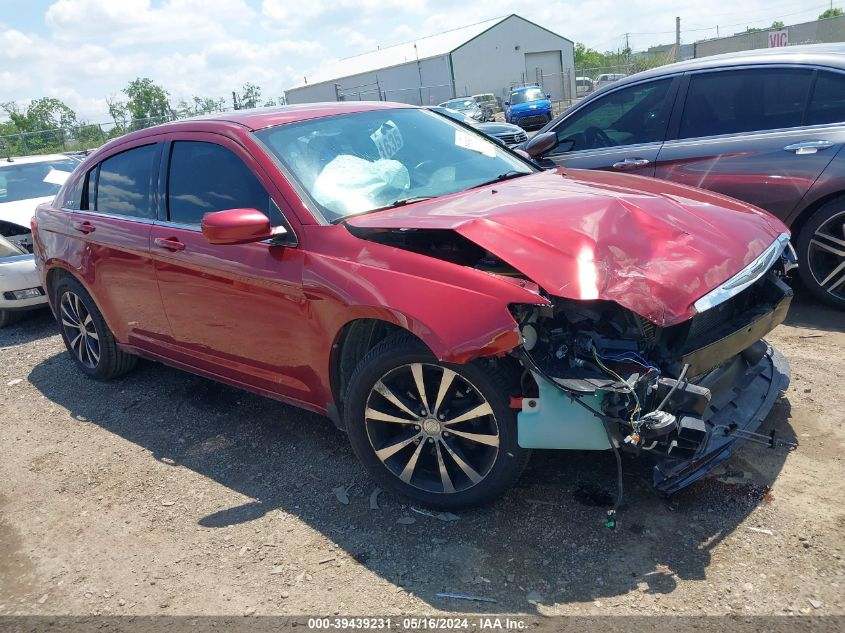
(440, 298)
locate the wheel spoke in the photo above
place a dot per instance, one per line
(76, 339)
(82, 352)
(93, 335)
(67, 323)
(489, 440)
(417, 371)
(445, 383)
(93, 354)
(373, 414)
(835, 278)
(78, 307)
(408, 471)
(469, 471)
(67, 309)
(476, 412)
(828, 247)
(827, 236)
(389, 451)
(444, 474)
(388, 395)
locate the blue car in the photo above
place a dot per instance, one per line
(528, 106)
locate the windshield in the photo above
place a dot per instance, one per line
(524, 96)
(461, 104)
(7, 249)
(355, 163)
(33, 180)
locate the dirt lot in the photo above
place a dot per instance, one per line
(166, 493)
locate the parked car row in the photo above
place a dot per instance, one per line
(505, 133)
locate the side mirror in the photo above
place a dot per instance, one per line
(523, 153)
(541, 144)
(548, 95)
(507, 102)
(236, 226)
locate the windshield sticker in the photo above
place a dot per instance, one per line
(388, 139)
(56, 177)
(475, 143)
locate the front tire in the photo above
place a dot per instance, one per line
(821, 253)
(442, 435)
(88, 339)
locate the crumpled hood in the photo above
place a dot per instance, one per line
(20, 212)
(651, 246)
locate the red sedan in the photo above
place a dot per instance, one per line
(440, 298)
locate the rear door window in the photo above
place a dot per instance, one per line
(737, 101)
(827, 103)
(206, 177)
(125, 183)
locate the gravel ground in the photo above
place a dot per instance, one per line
(164, 493)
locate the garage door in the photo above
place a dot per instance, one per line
(546, 67)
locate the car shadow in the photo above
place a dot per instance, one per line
(808, 312)
(545, 540)
(34, 325)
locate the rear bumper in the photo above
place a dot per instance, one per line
(742, 396)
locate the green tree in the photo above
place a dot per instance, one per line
(250, 96)
(777, 24)
(147, 100)
(835, 12)
(588, 58)
(42, 126)
(42, 114)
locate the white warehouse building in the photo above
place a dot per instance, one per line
(488, 57)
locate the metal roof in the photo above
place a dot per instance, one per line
(422, 48)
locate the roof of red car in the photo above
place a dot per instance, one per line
(258, 118)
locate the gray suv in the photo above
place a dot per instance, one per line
(764, 126)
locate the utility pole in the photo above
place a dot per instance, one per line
(235, 104)
(677, 39)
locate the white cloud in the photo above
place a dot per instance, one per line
(93, 48)
(354, 40)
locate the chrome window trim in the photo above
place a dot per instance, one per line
(744, 278)
(112, 216)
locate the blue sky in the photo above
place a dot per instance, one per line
(85, 51)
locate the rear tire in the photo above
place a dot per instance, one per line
(821, 253)
(441, 461)
(88, 339)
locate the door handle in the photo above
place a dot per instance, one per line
(808, 147)
(169, 243)
(84, 227)
(630, 163)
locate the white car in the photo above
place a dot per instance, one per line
(608, 78)
(24, 184)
